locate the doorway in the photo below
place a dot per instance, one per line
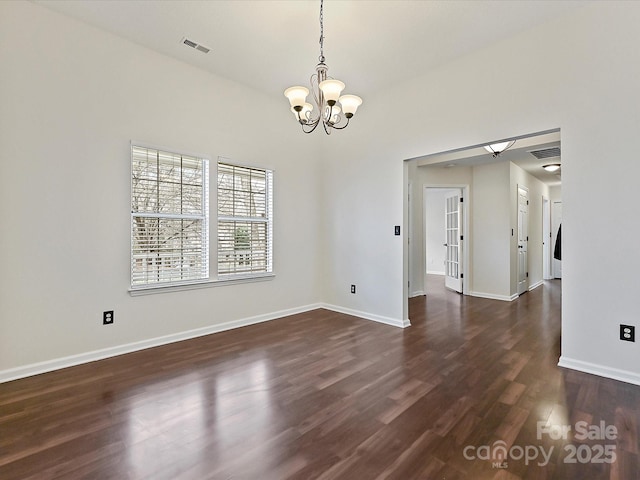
(444, 240)
(496, 268)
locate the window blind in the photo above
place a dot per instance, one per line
(245, 220)
(169, 217)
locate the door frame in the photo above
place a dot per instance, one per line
(556, 221)
(466, 232)
(407, 176)
(546, 239)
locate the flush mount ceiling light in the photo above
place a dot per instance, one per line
(326, 93)
(496, 149)
(552, 167)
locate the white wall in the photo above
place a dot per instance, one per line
(596, 108)
(72, 97)
(491, 231)
(555, 193)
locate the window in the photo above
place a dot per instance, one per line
(169, 218)
(245, 207)
(170, 221)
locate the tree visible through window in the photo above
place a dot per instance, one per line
(244, 220)
(169, 217)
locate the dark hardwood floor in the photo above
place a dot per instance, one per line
(323, 395)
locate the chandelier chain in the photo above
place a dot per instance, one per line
(321, 57)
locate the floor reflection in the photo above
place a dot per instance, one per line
(183, 428)
(243, 405)
(163, 421)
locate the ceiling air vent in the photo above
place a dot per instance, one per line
(196, 45)
(546, 153)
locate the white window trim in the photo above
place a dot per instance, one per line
(217, 280)
(153, 289)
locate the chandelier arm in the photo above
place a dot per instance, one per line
(315, 125)
(328, 119)
(310, 125)
(341, 128)
(309, 121)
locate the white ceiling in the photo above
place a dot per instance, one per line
(270, 45)
(519, 153)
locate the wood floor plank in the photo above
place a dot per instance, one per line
(323, 395)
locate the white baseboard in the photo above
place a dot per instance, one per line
(493, 296)
(433, 272)
(600, 370)
(417, 293)
(536, 285)
(70, 361)
(505, 297)
(369, 316)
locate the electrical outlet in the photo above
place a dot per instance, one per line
(628, 333)
(353, 289)
(107, 317)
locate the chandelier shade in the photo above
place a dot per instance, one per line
(331, 90)
(350, 104)
(334, 111)
(497, 148)
(297, 95)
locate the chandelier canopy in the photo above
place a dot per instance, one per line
(334, 111)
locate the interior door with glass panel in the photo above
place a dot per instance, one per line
(523, 240)
(453, 232)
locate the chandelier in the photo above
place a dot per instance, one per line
(326, 93)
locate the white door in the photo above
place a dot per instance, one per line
(556, 221)
(546, 239)
(523, 240)
(453, 232)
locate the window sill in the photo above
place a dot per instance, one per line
(151, 290)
